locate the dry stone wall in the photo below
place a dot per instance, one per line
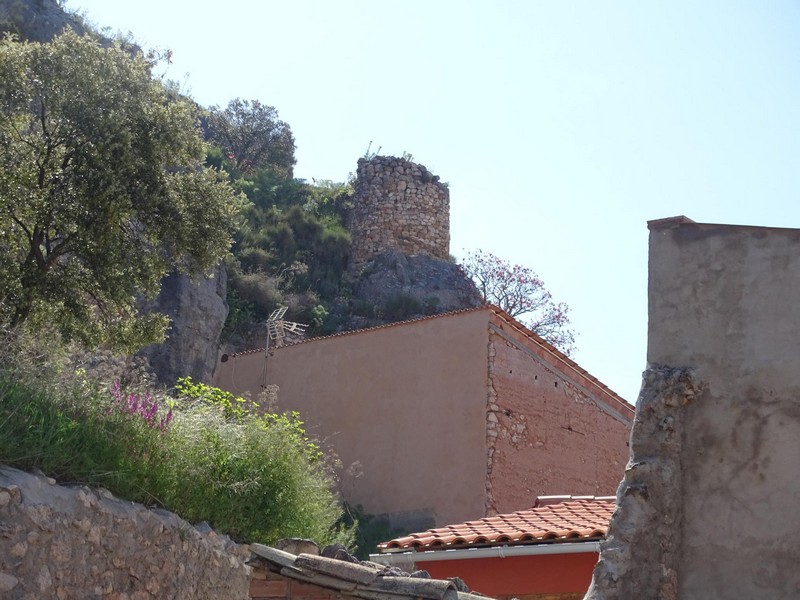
(398, 205)
(62, 543)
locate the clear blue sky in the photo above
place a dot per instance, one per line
(561, 127)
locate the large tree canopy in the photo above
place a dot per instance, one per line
(252, 137)
(520, 292)
(102, 190)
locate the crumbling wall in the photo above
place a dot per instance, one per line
(708, 505)
(548, 431)
(398, 205)
(61, 543)
(640, 555)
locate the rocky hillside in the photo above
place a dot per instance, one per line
(341, 257)
(36, 20)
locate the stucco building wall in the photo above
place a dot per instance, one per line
(448, 418)
(403, 407)
(536, 577)
(708, 508)
(557, 432)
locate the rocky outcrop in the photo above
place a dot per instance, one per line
(36, 20)
(197, 310)
(61, 542)
(397, 286)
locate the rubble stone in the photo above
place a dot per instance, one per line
(46, 551)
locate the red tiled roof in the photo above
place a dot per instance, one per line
(552, 519)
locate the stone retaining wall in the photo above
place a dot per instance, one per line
(74, 542)
(398, 205)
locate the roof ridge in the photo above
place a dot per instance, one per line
(366, 329)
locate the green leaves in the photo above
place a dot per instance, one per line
(252, 137)
(102, 190)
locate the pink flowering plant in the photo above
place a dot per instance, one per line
(520, 292)
(199, 452)
(141, 405)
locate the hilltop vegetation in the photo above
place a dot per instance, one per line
(109, 180)
(102, 191)
(106, 184)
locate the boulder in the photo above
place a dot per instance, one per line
(399, 286)
(197, 310)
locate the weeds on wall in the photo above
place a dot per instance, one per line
(202, 454)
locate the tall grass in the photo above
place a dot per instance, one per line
(254, 478)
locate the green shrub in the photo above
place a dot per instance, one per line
(205, 456)
(401, 306)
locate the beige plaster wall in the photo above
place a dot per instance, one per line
(724, 301)
(404, 408)
(708, 507)
(550, 433)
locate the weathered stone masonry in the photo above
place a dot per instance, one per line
(644, 528)
(398, 205)
(61, 543)
(708, 506)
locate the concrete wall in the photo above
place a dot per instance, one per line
(403, 407)
(708, 508)
(553, 429)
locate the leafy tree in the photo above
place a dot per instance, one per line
(520, 292)
(252, 137)
(102, 190)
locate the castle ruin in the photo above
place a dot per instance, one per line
(398, 205)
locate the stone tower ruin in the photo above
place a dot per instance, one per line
(398, 205)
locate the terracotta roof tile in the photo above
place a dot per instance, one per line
(552, 519)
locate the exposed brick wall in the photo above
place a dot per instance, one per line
(546, 434)
(265, 585)
(398, 205)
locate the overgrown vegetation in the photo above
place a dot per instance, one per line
(201, 453)
(292, 250)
